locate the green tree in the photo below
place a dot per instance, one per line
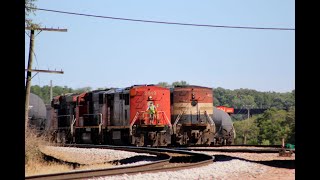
(239, 97)
(276, 124)
(44, 92)
(29, 4)
(164, 84)
(291, 122)
(216, 101)
(179, 83)
(247, 131)
(84, 89)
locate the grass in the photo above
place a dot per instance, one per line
(34, 158)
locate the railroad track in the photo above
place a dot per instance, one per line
(237, 148)
(169, 160)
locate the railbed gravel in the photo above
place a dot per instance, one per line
(89, 155)
(233, 169)
(217, 170)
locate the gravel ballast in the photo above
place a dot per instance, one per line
(217, 170)
(88, 155)
(229, 166)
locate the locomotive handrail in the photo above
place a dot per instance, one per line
(99, 119)
(90, 114)
(133, 121)
(166, 117)
(144, 112)
(72, 124)
(100, 124)
(210, 119)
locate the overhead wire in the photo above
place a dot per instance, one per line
(163, 22)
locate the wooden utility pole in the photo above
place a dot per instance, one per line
(50, 90)
(28, 84)
(28, 81)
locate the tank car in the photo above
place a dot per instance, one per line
(37, 113)
(192, 111)
(225, 133)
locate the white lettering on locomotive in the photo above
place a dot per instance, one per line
(150, 93)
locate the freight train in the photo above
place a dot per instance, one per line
(141, 115)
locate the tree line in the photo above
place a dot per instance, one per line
(268, 128)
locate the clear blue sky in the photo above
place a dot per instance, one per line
(100, 52)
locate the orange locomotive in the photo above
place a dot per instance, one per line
(150, 122)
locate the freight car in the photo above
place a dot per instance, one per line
(37, 113)
(192, 110)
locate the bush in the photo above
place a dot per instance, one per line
(265, 142)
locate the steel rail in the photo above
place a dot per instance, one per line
(249, 149)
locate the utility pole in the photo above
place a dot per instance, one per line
(28, 84)
(50, 90)
(28, 81)
(246, 131)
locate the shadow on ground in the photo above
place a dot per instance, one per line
(289, 164)
(134, 159)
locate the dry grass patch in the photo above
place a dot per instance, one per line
(34, 158)
(42, 167)
(33, 142)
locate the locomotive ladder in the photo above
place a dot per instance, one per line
(177, 120)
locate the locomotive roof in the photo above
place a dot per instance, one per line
(191, 86)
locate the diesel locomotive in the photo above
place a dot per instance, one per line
(140, 115)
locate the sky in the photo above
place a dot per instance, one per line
(101, 53)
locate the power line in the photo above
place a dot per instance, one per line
(162, 22)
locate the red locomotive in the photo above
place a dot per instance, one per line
(150, 122)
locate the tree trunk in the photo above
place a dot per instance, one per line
(245, 139)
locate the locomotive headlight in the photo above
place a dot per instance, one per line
(194, 103)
